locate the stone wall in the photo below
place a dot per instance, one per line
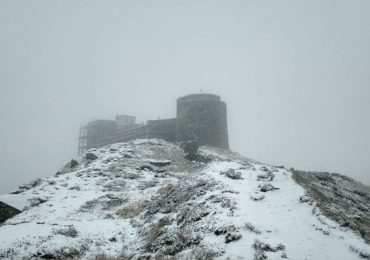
(98, 130)
(163, 129)
(202, 118)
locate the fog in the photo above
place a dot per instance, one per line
(295, 76)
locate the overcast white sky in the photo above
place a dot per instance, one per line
(295, 76)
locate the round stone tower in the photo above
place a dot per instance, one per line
(202, 118)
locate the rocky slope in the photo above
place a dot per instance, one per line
(144, 200)
(340, 198)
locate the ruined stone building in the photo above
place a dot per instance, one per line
(200, 117)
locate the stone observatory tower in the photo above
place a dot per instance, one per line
(202, 118)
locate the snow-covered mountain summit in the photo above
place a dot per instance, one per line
(144, 200)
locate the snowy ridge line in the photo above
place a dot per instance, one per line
(143, 200)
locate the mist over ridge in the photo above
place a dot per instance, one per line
(294, 75)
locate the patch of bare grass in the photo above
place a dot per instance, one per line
(132, 210)
(103, 256)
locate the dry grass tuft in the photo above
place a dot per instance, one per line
(132, 210)
(103, 256)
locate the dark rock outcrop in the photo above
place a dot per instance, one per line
(261, 249)
(267, 187)
(27, 186)
(191, 150)
(73, 163)
(160, 163)
(232, 174)
(7, 212)
(69, 167)
(91, 156)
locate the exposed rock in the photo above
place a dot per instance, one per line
(147, 184)
(75, 187)
(69, 167)
(191, 150)
(306, 199)
(260, 249)
(361, 253)
(146, 168)
(112, 239)
(232, 236)
(34, 202)
(90, 156)
(7, 212)
(224, 230)
(251, 228)
(128, 156)
(231, 233)
(131, 175)
(190, 147)
(27, 186)
(267, 176)
(160, 163)
(73, 163)
(257, 197)
(267, 187)
(232, 174)
(284, 255)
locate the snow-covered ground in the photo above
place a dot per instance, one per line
(143, 198)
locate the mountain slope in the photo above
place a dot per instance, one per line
(143, 199)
